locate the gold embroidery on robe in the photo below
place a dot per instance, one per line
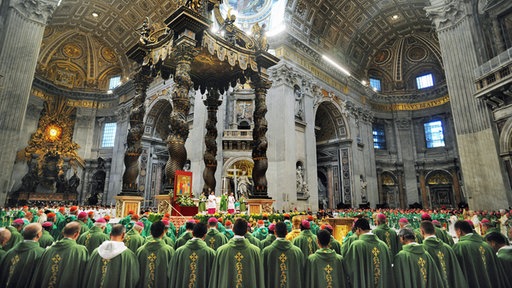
(14, 262)
(328, 276)
(376, 264)
(151, 267)
(87, 238)
(193, 266)
(310, 246)
(388, 240)
(239, 270)
(283, 269)
(423, 269)
(212, 243)
(55, 270)
(104, 270)
(482, 254)
(440, 255)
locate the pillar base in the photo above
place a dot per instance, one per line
(259, 206)
(126, 203)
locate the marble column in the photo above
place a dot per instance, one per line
(484, 178)
(20, 41)
(212, 103)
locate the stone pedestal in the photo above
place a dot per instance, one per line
(258, 206)
(127, 203)
(163, 203)
(341, 227)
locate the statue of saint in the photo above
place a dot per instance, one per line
(299, 111)
(73, 183)
(244, 185)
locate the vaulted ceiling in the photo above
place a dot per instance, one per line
(353, 31)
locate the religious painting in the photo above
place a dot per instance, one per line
(182, 183)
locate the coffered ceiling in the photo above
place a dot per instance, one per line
(352, 31)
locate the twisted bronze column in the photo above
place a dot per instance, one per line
(259, 151)
(178, 133)
(133, 139)
(212, 103)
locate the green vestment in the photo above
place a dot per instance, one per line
(191, 265)
(15, 238)
(237, 264)
(415, 268)
(314, 227)
(112, 265)
(284, 265)
(228, 233)
(147, 227)
(346, 243)
(388, 236)
(223, 206)
(478, 262)
(83, 227)
(182, 240)
(253, 240)
(306, 241)
(214, 239)
(368, 263)
(260, 233)
(505, 259)
(92, 239)
(325, 269)
(133, 240)
(46, 240)
(268, 241)
(62, 265)
(446, 262)
(335, 245)
(155, 262)
(18, 264)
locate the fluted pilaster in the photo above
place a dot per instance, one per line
(20, 42)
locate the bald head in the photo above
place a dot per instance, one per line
(71, 230)
(5, 236)
(32, 231)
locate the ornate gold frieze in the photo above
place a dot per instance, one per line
(78, 103)
(411, 106)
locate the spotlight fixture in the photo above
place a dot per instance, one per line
(395, 17)
(94, 14)
(345, 71)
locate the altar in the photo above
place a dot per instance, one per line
(340, 226)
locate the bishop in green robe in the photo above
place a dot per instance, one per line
(367, 262)
(270, 237)
(15, 234)
(346, 243)
(191, 265)
(238, 263)
(185, 236)
(133, 239)
(386, 234)
(498, 242)
(223, 206)
(155, 259)
(443, 256)
(214, 239)
(476, 258)
(62, 264)
(22, 258)
(253, 240)
(112, 264)
(93, 238)
(46, 239)
(284, 262)
(324, 268)
(306, 240)
(413, 266)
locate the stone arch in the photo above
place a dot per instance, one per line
(157, 119)
(439, 184)
(332, 112)
(506, 138)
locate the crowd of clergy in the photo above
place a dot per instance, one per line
(75, 248)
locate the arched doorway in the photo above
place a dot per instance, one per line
(389, 187)
(238, 177)
(333, 156)
(440, 189)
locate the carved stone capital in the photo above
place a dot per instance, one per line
(446, 13)
(35, 10)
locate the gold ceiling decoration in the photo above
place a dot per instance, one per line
(54, 135)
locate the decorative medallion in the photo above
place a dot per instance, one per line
(382, 57)
(416, 53)
(108, 54)
(72, 50)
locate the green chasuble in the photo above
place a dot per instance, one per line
(2, 253)
(83, 227)
(368, 263)
(335, 245)
(46, 240)
(155, 261)
(133, 240)
(15, 238)
(92, 239)
(147, 227)
(324, 269)
(223, 206)
(268, 241)
(237, 264)
(260, 233)
(478, 262)
(306, 241)
(62, 265)
(228, 233)
(388, 235)
(19, 263)
(191, 265)
(182, 240)
(415, 268)
(446, 262)
(346, 243)
(214, 239)
(505, 259)
(253, 240)
(112, 265)
(284, 265)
